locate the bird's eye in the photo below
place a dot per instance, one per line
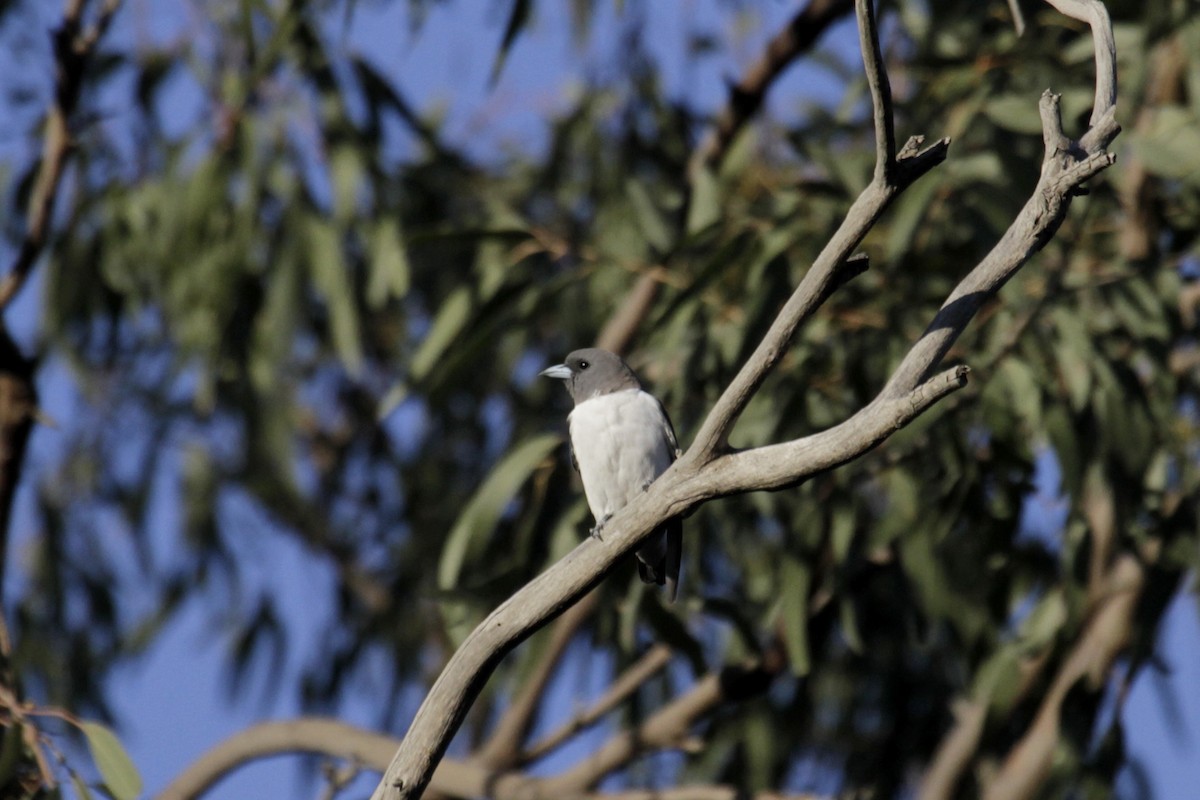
(584, 365)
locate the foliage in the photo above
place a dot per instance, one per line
(307, 309)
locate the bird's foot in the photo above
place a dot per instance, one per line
(646, 486)
(596, 531)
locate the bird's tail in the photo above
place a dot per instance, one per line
(659, 558)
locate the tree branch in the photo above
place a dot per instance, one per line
(1095, 14)
(1106, 634)
(646, 667)
(881, 92)
(747, 95)
(453, 778)
(893, 173)
(311, 735)
(743, 102)
(73, 48)
(708, 471)
(665, 728)
(502, 749)
(959, 746)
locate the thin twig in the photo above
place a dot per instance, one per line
(646, 667)
(72, 53)
(1018, 17)
(747, 95)
(742, 103)
(881, 92)
(893, 173)
(667, 727)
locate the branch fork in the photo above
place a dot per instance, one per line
(709, 468)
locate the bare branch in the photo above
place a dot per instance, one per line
(778, 466)
(881, 92)
(745, 98)
(708, 470)
(1014, 8)
(665, 728)
(1106, 633)
(893, 173)
(325, 736)
(1095, 14)
(72, 51)
(646, 667)
(618, 331)
(955, 751)
(680, 489)
(1065, 168)
(503, 747)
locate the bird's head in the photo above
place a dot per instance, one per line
(593, 372)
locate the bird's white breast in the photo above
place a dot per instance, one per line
(620, 444)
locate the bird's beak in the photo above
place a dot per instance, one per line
(560, 371)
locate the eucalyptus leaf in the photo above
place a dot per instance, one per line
(121, 777)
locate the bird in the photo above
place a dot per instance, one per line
(621, 439)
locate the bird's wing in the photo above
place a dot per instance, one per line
(668, 431)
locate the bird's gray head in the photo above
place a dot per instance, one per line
(593, 372)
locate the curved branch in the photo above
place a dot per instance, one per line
(503, 746)
(312, 735)
(1065, 168)
(1094, 13)
(708, 471)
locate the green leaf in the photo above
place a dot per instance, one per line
(1042, 625)
(389, 273)
(450, 320)
(649, 218)
(841, 532)
(120, 775)
(1074, 353)
(1015, 112)
(906, 219)
(998, 680)
(1169, 144)
(848, 621)
(705, 208)
(346, 175)
(1023, 390)
(795, 577)
(488, 504)
(332, 280)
